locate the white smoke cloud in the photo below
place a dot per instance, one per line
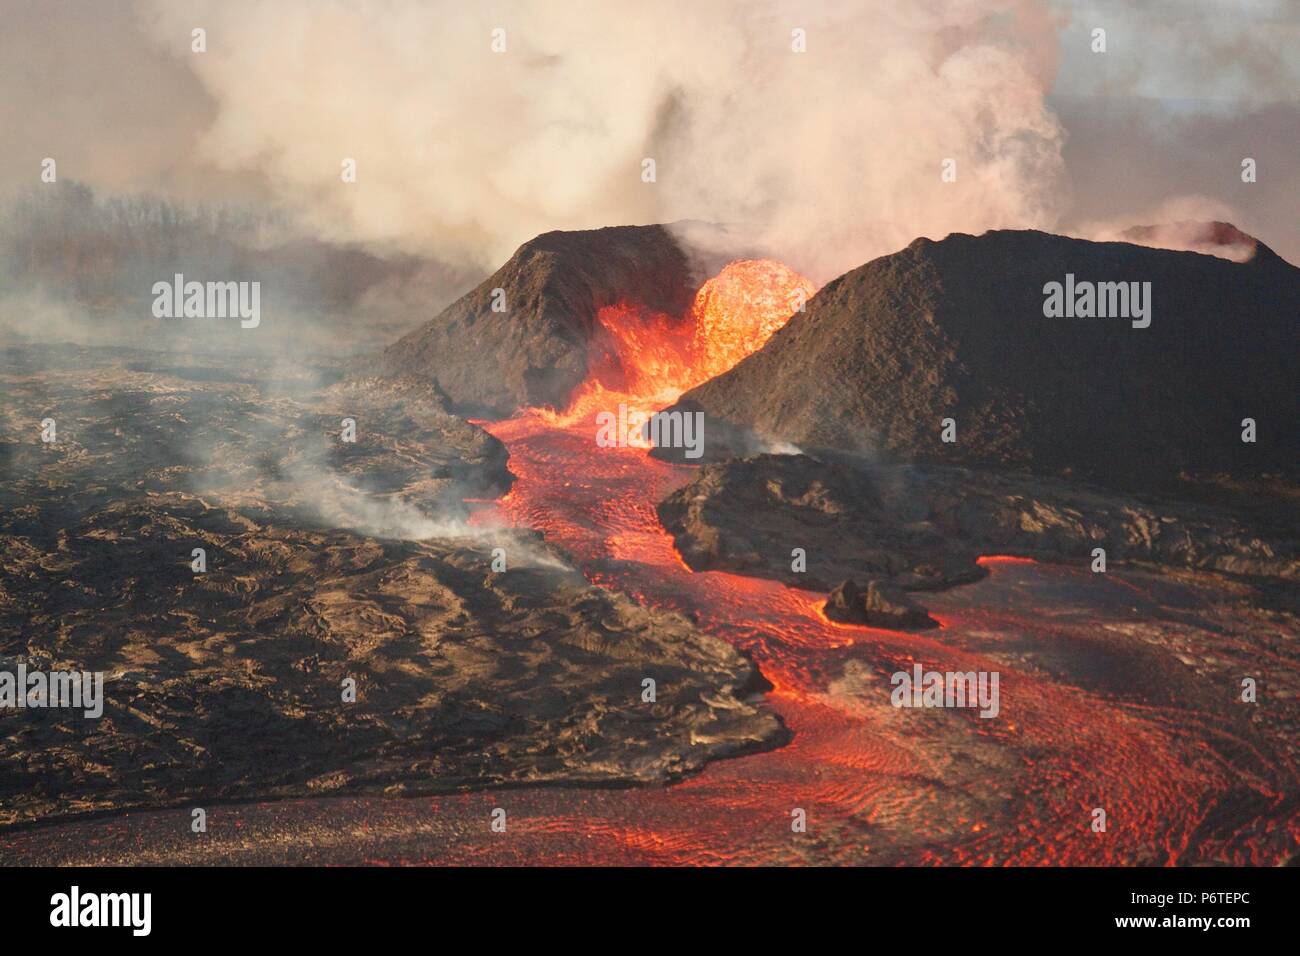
(339, 504)
(1202, 56)
(824, 158)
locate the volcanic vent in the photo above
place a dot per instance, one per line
(521, 337)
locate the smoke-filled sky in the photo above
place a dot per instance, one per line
(827, 157)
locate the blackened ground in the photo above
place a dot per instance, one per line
(325, 561)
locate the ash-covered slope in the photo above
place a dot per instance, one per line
(535, 351)
(956, 329)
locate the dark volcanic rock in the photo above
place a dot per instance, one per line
(325, 561)
(535, 352)
(879, 605)
(923, 527)
(748, 515)
(955, 329)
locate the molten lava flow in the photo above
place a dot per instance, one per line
(880, 785)
(883, 787)
(647, 360)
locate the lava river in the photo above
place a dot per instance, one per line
(879, 784)
(1097, 711)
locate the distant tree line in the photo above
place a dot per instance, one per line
(105, 253)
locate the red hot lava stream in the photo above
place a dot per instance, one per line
(878, 784)
(1088, 718)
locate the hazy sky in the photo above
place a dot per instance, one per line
(828, 157)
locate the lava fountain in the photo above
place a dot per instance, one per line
(646, 360)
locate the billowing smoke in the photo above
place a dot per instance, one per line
(819, 130)
(822, 158)
(336, 502)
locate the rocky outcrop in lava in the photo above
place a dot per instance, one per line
(532, 349)
(325, 561)
(749, 515)
(877, 605)
(956, 329)
(922, 528)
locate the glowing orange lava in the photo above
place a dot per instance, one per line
(882, 786)
(879, 785)
(646, 360)
(740, 308)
